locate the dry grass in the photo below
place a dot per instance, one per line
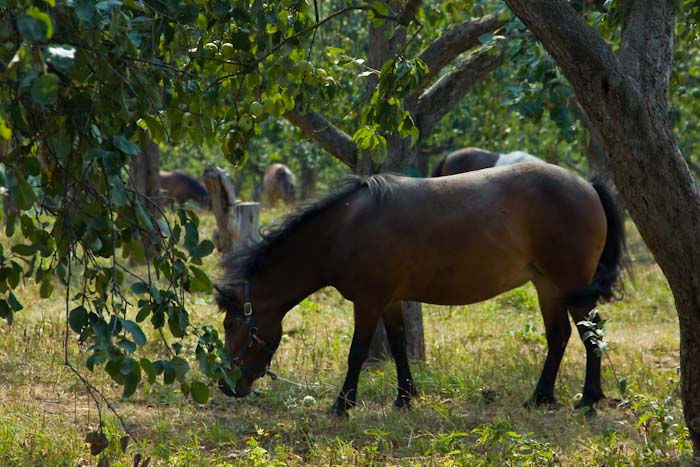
(494, 348)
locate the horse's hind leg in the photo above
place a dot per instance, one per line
(396, 333)
(558, 331)
(365, 323)
(592, 389)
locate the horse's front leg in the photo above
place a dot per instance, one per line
(396, 334)
(365, 323)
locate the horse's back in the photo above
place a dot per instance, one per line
(467, 237)
(183, 187)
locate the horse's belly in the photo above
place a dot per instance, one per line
(457, 286)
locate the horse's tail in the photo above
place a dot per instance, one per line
(437, 170)
(606, 284)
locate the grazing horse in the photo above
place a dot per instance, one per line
(181, 187)
(447, 241)
(278, 184)
(469, 159)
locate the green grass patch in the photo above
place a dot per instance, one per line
(482, 363)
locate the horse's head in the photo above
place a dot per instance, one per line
(251, 337)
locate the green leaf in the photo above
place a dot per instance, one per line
(135, 331)
(131, 381)
(25, 195)
(126, 146)
(181, 367)
(25, 250)
(5, 132)
(149, 369)
(15, 305)
(139, 287)
(43, 18)
(200, 282)
(45, 89)
(199, 391)
(111, 162)
(31, 29)
(78, 319)
(5, 311)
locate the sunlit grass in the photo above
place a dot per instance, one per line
(482, 362)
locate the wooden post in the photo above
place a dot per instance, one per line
(247, 223)
(223, 205)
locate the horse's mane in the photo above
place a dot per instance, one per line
(242, 263)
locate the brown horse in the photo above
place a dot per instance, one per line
(181, 188)
(449, 241)
(278, 184)
(469, 159)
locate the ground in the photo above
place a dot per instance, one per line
(482, 363)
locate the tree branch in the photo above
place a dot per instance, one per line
(409, 12)
(334, 140)
(454, 42)
(440, 98)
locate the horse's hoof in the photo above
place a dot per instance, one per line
(589, 411)
(403, 403)
(339, 411)
(588, 402)
(538, 400)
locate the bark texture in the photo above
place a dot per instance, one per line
(625, 95)
(145, 179)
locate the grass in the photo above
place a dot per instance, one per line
(482, 362)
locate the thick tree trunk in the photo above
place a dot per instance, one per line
(144, 175)
(426, 104)
(309, 177)
(626, 98)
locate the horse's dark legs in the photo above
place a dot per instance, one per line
(365, 323)
(395, 331)
(592, 389)
(558, 331)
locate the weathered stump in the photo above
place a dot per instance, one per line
(247, 223)
(223, 205)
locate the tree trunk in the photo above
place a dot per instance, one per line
(145, 180)
(426, 104)
(625, 96)
(309, 177)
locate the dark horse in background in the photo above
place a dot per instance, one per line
(470, 159)
(279, 183)
(448, 241)
(181, 188)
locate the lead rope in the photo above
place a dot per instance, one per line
(276, 377)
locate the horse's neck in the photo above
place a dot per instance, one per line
(295, 268)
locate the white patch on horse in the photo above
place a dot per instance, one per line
(516, 157)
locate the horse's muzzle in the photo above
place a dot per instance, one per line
(242, 388)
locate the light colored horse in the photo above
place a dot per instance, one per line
(470, 159)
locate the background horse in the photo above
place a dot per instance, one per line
(182, 188)
(448, 241)
(278, 184)
(469, 159)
